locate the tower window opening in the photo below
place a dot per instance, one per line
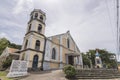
(37, 45)
(53, 53)
(36, 15)
(39, 28)
(41, 17)
(26, 44)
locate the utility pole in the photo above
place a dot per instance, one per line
(118, 30)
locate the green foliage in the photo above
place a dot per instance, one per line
(4, 43)
(7, 63)
(13, 45)
(91, 55)
(112, 64)
(86, 61)
(3, 75)
(69, 70)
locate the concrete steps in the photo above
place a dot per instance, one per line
(97, 74)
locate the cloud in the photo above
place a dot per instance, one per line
(9, 23)
(23, 5)
(87, 20)
(4, 35)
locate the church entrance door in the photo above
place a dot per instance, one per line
(35, 62)
(71, 60)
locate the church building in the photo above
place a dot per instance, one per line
(46, 53)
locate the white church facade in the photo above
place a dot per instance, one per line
(46, 53)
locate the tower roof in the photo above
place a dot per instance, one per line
(38, 10)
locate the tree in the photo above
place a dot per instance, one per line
(3, 44)
(7, 62)
(13, 45)
(86, 61)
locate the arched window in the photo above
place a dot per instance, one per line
(37, 45)
(26, 44)
(36, 15)
(39, 28)
(68, 43)
(41, 17)
(29, 28)
(53, 53)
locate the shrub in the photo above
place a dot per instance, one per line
(70, 71)
(7, 63)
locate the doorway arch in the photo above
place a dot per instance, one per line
(35, 62)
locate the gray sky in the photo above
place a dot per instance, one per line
(91, 22)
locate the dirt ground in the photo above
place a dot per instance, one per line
(48, 75)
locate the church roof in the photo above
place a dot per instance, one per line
(9, 51)
(12, 50)
(38, 10)
(57, 35)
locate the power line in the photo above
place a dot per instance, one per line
(118, 30)
(115, 20)
(111, 24)
(108, 10)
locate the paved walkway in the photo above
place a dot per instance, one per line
(49, 75)
(52, 75)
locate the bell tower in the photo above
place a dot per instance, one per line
(34, 40)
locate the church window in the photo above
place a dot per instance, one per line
(29, 28)
(39, 28)
(77, 59)
(37, 45)
(26, 44)
(68, 43)
(41, 17)
(53, 53)
(36, 15)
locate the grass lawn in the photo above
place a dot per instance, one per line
(3, 76)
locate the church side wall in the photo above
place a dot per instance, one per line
(46, 63)
(50, 63)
